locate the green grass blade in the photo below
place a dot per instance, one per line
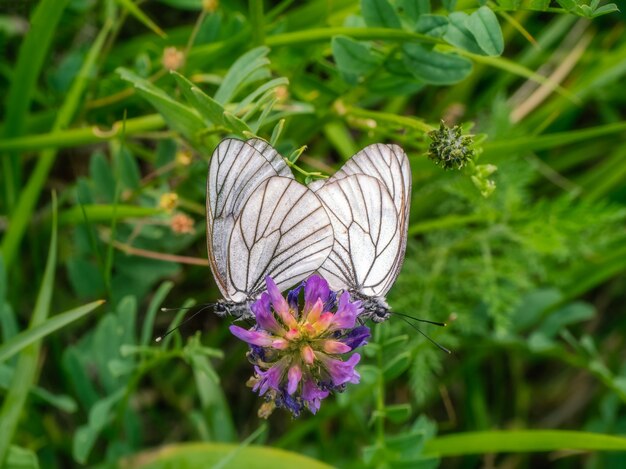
(29, 195)
(522, 441)
(157, 300)
(545, 142)
(27, 364)
(135, 11)
(32, 53)
(33, 334)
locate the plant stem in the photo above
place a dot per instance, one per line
(257, 21)
(84, 135)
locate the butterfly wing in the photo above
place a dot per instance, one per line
(272, 156)
(283, 231)
(236, 169)
(351, 207)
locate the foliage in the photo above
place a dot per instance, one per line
(516, 242)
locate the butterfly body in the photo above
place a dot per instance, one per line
(240, 310)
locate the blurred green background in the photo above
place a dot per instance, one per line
(111, 109)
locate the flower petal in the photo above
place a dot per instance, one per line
(269, 379)
(264, 316)
(312, 394)
(260, 338)
(280, 304)
(280, 344)
(313, 314)
(293, 378)
(356, 337)
(315, 288)
(347, 312)
(292, 297)
(334, 347)
(308, 355)
(341, 372)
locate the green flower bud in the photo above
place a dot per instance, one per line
(449, 148)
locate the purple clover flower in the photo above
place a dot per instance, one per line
(299, 356)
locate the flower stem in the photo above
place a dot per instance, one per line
(380, 394)
(388, 118)
(324, 34)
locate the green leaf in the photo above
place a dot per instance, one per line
(34, 334)
(99, 416)
(398, 413)
(213, 454)
(238, 126)
(397, 365)
(379, 13)
(21, 458)
(570, 314)
(459, 35)
(127, 169)
(352, 56)
(85, 277)
(414, 9)
(522, 441)
(239, 72)
(485, 28)
(569, 5)
(208, 107)
(179, 117)
(27, 365)
(605, 10)
(102, 176)
(433, 25)
(62, 402)
(510, 4)
(435, 67)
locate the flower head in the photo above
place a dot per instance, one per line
(299, 356)
(449, 148)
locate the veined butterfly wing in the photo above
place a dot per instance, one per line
(283, 231)
(367, 235)
(351, 201)
(272, 156)
(236, 169)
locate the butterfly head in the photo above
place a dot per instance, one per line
(374, 307)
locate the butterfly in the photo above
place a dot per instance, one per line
(367, 201)
(260, 222)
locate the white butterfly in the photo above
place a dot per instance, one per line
(260, 222)
(368, 204)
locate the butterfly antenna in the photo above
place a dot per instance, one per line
(441, 347)
(441, 324)
(203, 308)
(187, 307)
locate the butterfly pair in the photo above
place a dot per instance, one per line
(351, 228)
